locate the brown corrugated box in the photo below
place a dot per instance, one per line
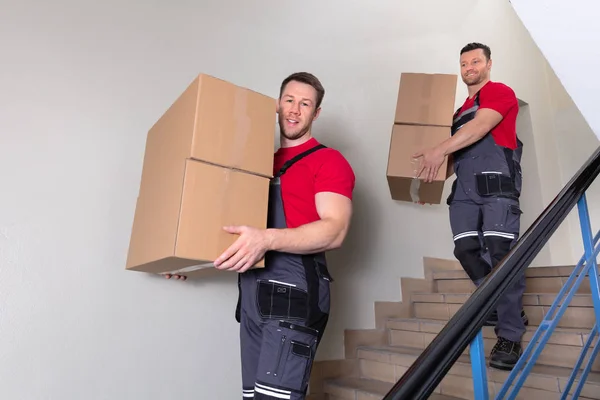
(402, 168)
(424, 111)
(426, 99)
(207, 164)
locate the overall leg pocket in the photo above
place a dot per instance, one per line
(280, 300)
(513, 219)
(287, 354)
(501, 225)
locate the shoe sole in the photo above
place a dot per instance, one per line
(502, 366)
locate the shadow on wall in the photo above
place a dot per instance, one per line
(531, 192)
(364, 233)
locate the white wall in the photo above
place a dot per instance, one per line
(577, 142)
(82, 83)
(567, 32)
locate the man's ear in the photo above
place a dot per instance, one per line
(277, 101)
(317, 113)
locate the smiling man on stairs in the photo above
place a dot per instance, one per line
(283, 308)
(484, 202)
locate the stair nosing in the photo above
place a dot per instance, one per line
(531, 328)
(451, 274)
(347, 383)
(559, 372)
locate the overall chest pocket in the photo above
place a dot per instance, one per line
(280, 300)
(493, 183)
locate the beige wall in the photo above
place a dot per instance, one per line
(577, 142)
(82, 83)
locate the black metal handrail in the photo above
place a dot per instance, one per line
(428, 370)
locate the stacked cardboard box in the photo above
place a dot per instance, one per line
(423, 119)
(207, 164)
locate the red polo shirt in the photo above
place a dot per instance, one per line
(325, 170)
(501, 98)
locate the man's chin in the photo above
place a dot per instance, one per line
(293, 135)
(472, 82)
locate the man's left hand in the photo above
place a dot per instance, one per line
(431, 162)
(247, 250)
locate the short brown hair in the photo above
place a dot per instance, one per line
(474, 46)
(307, 78)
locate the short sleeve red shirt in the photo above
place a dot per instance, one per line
(325, 170)
(501, 98)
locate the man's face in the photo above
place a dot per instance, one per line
(474, 68)
(297, 109)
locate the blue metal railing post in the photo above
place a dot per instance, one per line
(590, 256)
(588, 245)
(586, 267)
(476, 352)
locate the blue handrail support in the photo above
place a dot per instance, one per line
(587, 267)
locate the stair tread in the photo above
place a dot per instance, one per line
(467, 295)
(579, 313)
(536, 272)
(530, 327)
(376, 387)
(543, 370)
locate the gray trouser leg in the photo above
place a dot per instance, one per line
(250, 344)
(510, 323)
(285, 362)
(501, 222)
(466, 224)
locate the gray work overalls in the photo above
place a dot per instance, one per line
(485, 215)
(283, 310)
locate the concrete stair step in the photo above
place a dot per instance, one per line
(535, 272)
(388, 364)
(539, 280)
(574, 317)
(561, 350)
(560, 336)
(352, 388)
(529, 299)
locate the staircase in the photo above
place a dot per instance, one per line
(377, 358)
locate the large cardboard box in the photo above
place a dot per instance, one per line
(424, 111)
(221, 123)
(180, 216)
(402, 168)
(426, 99)
(207, 164)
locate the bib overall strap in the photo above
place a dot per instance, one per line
(299, 157)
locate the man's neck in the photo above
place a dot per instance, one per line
(473, 89)
(286, 143)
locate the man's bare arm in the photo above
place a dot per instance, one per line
(485, 120)
(328, 233)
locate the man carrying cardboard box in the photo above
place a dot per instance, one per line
(484, 202)
(283, 308)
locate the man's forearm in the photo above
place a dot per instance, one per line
(470, 133)
(322, 235)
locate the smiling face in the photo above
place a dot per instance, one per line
(474, 67)
(297, 110)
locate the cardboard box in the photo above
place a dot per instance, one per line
(426, 99)
(180, 216)
(221, 123)
(207, 164)
(402, 168)
(424, 111)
